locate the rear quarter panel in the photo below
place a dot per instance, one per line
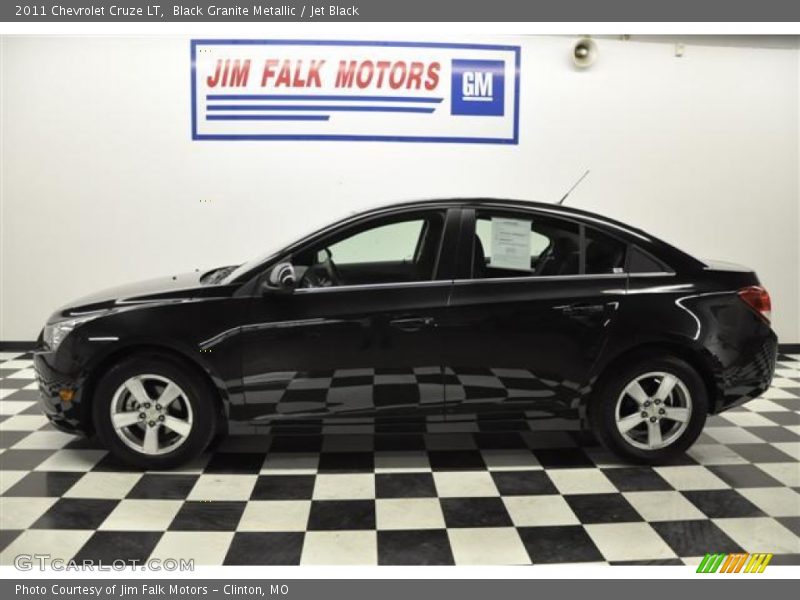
(700, 317)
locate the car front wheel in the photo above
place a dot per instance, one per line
(153, 412)
(650, 411)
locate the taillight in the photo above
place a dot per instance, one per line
(757, 298)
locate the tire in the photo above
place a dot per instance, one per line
(188, 406)
(677, 418)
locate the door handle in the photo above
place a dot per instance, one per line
(412, 323)
(582, 309)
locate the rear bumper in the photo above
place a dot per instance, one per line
(750, 375)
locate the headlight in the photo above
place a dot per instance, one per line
(54, 333)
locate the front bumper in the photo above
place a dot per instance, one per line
(66, 416)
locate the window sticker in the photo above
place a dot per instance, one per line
(511, 244)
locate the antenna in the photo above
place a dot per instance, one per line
(569, 191)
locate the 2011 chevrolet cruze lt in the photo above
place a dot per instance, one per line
(458, 307)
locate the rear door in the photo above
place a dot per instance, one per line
(530, 311)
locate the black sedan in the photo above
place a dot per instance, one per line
(452, 309)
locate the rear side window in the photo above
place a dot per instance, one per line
(520, 244)
(640, 261)
(604, 254)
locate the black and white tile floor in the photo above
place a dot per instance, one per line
(473, 497)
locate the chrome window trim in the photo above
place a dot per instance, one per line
(371, 286)
(653, 274)
(529, 278)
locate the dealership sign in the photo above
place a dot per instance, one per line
(350, 91)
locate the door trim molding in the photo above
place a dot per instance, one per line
(370, 286)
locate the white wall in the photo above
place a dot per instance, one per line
(101, 183)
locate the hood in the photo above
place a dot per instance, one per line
(161, 289)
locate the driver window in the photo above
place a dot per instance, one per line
(393, 242)
(394, 250)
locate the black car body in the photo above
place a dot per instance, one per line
(440, 332)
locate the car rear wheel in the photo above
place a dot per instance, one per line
(153, 412)
(650, 411)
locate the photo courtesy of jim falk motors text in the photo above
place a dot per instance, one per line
(127, 590)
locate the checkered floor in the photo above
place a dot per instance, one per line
(485, 496)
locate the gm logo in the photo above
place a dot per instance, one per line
(478, 88)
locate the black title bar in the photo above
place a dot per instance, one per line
(401, 10)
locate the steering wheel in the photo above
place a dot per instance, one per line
(544, 258)
(322, 274)
(333, 271)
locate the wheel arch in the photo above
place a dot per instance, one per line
(215, 385)
(694, 357)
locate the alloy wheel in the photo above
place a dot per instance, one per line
(653, 410)
(151, 414)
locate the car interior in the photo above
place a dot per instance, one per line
(397, 251)
(561, 254)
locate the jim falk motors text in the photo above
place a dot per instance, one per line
(307, 11)
(297, 73)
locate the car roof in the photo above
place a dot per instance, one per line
(513, 203)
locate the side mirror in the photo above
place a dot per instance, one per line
(281, 279)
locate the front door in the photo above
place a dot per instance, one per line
(359, 337)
